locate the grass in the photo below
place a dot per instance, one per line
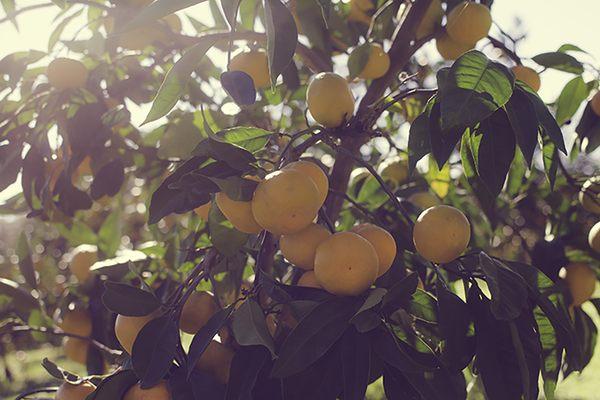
(29, 374)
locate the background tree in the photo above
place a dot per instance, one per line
(316, 212)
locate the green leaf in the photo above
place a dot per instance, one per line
(524, 122)
(22, 300)
(250, 328)
(508, 289)
(392, 352)
(551, 159)
(589, 129)
(356, 364)
(571, 97)
(154, 349)
(560, 61)
(423, 306)
(223, 235)
(373, 299)
(235, 156)
(109, 234)
(230, 10)
(496, 151)
(475, 87)
(60, 373)
(236, 188)
(571, 47)
(419, 144)
(57, 32)
(282, 37)
(157, 10)
(129, 300)
(313, 24)
(25, 261)
(250, 138)
(551, 352)
(454, 321)
(358, 59)
(9, 9)
(245, 369)
(443, 141)
(314, 336)
(176, 79)
(114, 386)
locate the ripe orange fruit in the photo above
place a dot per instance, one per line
(424, 200)
(158, 392)
(309, 279)
(77, 322)
(581, 280)
(595, 103)
(469, 22)
(196, 311)
(285, 202)
(127, 329)
(255, 64)
(203, 211)
(216, 360)
(299, 248)
(314, 172)
(82, 259)
(450, 49)
(329, 99)
(378, 63)
(594, 237)
(383, 243)
(441, 234)
(75, 349)
(589, 196)
(527, 75)
(65, 73)
(239, 213)
(68, 391)
(346, 264)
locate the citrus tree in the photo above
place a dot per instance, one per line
(277, 230)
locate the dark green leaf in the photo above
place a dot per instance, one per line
(373, 299)
(508, 289)
(589, 129)
(356, 364)
(236, 188)
(475, 87)
(559, 61)
(313, 336)
(454, 320)
(392, 352)
(108, 180)
(313, 24)
(522, 117)
(22, 300)
(419, 144)
(245, 367)
(176, 79)
(399, 295)
(59, 373)
(223, 235)
(114, 386)
(357, 61)
(442, 142)
(240, 86)
(282, 36)
(129, 300)
(154, 349)
(551, 160)
(250, 327)
(25, 261)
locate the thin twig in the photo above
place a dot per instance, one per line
(510, 53)
(50, 389)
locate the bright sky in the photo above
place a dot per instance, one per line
(548, 24)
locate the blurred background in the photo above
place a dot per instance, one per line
(544, 26)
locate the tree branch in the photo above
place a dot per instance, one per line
(510, 53)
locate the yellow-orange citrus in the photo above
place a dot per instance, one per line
(527, 75)
(216, 360)
(299, 248)
(329, 99)
(377, 64)
(255, 64)
(589, 196)
(238, 212)
(581, 280)
(346, 264)
(196, 312)
(127, 329)
(76, 349)
(394, 170)
(469, 22)
(68, 391)
(158, 392)
(358, 15)
(424, 200)
(383, 243)
(83, 257)
(441, 234)
(66, 73)
(77, 322)
(315, 173)
(450, 49)
(309, 279)
(594, 237)
(285, 202)
(203, 211)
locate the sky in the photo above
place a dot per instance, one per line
(547, 23)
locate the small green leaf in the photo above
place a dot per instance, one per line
(176, 79)
(22, 300)
(223, 235)
(250, 138)
(250, 327)
(282, 37)
(551, 160)
(25, 261)
(571, 97)
(524, 122)
(475, 88)
(129, 300)
(560, 61)
(157, 10)
(358, 59)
